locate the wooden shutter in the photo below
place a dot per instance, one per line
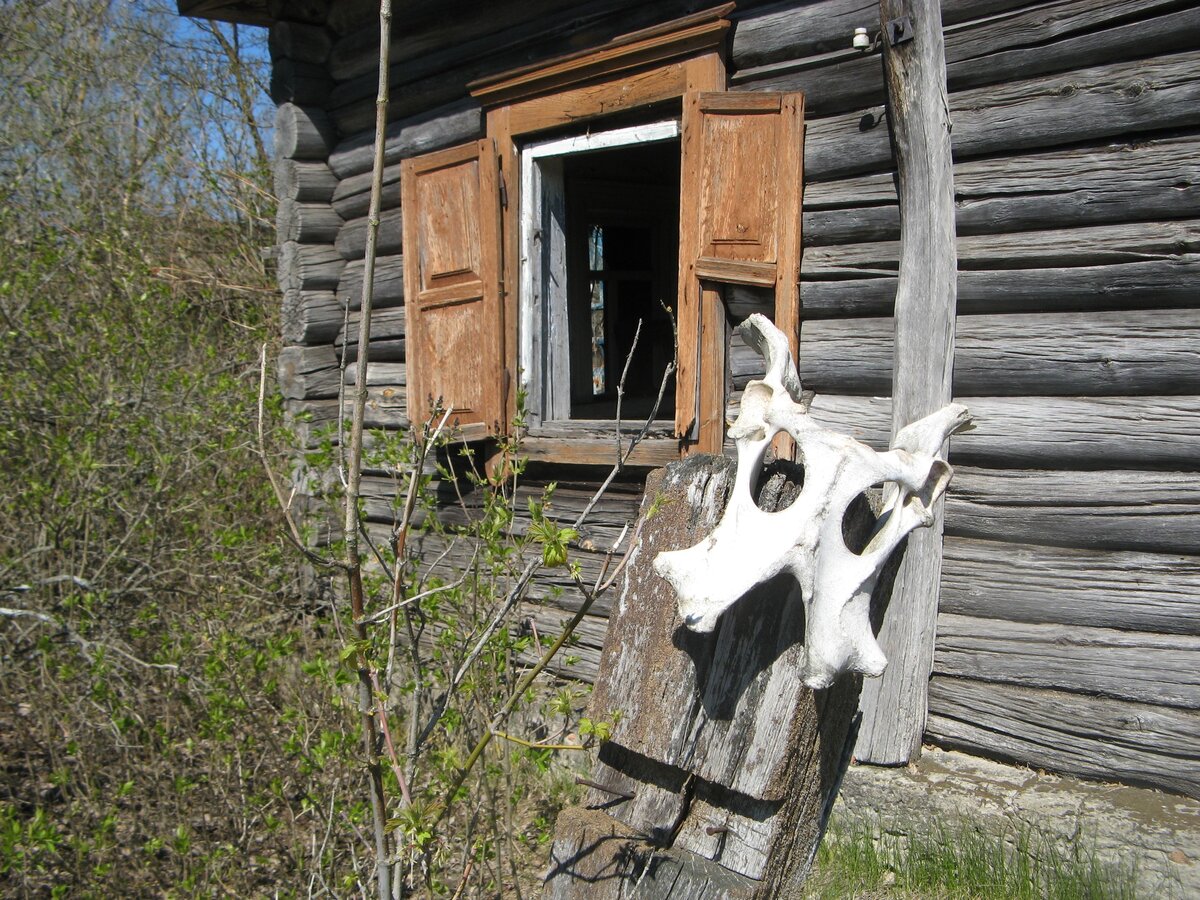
(451, 203)
(742, 181)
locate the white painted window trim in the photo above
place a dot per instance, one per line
(545, 365)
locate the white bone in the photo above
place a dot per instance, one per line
(750, 546)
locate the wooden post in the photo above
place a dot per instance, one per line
(894, 705)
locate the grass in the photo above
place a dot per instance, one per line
(959, 860)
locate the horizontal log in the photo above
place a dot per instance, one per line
(1055, 354)
(379, 374)
(1090, 246)
(1045, 39)
(386, 324)
(297, 82)
(1094, 737)
(309, 267)
(309, 373)
(307, 223)
(1119, 182)
(1154, 284)
(351, 240)
(303, 133)
(1123, 509)
(430, 130)
(294, 40)
(311, 317)
(304, 181)
(1046, 432)
(1087, 104)
(1158, 669)
(351, 204)
(594, 443)
(312, 12)
(347, 16)
(387, 286)
(1100, 588)
(315, 420)
(783, 31)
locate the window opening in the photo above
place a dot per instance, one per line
(600, 224)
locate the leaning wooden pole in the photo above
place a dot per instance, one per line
(371, 746)
(894, 705)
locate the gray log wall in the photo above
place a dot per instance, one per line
(1070, 600)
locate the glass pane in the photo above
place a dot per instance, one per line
(598, 368)
(596, 247)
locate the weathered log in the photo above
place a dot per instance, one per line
(1086, 104)
(313, 419)
(312, 12)
(309, 267)
(311, 317)
(346, 16)
(303, 133)
(1148, 668)
(305, 182)
(1156, 284)
(1157, 512)
(1100, 588)
(1047, 432)
(387, 286)
(384, 374)
(306, 223)
(893, 705)
(1092, 246)
(1048, 38)
(387, 335)
(304, 43)
(1058, 354)
(1090, 736)
(434, 129)
(351, 203)
(1120, 182)
(351, 240)
(306, 84)
(309, 373)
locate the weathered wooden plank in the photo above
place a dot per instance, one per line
(1047, 432)
(1158, 669)
(1089, 246)
(304, 181)
(385, 374)
(311, 317)
(1058, 354)
(1105, 589)
(313, 419)
(1104, 510)
(387, 335)
(1094, 737)
(351, 240)
(298, 82)
(303, 132)
(1119, 182)
(351, 203)
(306, 223)
(387, 286)
(893, 705)
(1047, 38)
(294, 40)
(309, 267)
(1153, 284)
(1087, 104)
(433, 129)
(308, 373)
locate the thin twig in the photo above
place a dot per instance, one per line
(76, 638)
(535, 745)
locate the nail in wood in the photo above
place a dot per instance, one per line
(627, 795)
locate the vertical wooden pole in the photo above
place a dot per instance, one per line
(894, 705)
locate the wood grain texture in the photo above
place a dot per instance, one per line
(304, 181)
(388, 285)
(311, 317)
(303, 133)
(306, 223)
(308, 373)
(295, 40)
(1159, 669)
(351, 241)
(893, 705)
(1097, 738)
(1104, 510)
(387, 335)
(309, 267)
(1054, 354)
(1055, 585)
(423, 132)
(1047, 432)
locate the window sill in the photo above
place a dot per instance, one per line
(593, 443)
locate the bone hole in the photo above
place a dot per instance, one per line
(858, 522)
(779, 484)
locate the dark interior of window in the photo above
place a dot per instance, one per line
(622, 269)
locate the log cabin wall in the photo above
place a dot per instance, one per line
(1070, 600)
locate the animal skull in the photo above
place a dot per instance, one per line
(750, 546)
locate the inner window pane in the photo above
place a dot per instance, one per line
(599, 366)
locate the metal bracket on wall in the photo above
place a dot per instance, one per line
(899, 30)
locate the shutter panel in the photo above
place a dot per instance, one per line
(742, 182)
(451, 203)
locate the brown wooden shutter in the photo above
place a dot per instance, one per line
(742, 182)
(451, 202)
